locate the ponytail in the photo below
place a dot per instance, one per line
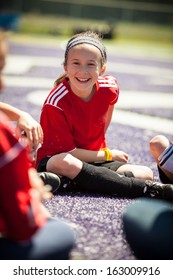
(60, 79)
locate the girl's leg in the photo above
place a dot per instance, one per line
(139, 171)
(64, 165)
(129, 170)
(92, 178)
(67, 165)
(54, 241)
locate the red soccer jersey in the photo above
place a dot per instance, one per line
(20, 211)
(68, 122)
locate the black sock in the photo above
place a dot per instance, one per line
(102, 180)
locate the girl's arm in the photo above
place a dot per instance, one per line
(24, 122)
(12, 112)
(94, 156)
(109, 116)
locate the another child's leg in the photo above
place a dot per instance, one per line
(148, 226)
(162, 152)
(157, 145)
(53, 241)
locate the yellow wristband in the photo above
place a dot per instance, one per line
(108, 154)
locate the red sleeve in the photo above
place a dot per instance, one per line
(20, 209)
(109, 83)
(114, 96)
(114, 89)
(57, 131)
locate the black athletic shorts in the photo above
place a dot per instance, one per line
(113, 165)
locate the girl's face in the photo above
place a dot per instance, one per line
(83, 68)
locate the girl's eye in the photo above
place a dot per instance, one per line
(91, 64)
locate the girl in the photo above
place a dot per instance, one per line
(78, 111)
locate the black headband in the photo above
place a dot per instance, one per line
(86, 40)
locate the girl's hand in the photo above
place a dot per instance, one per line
(119, 155)
(32, 129)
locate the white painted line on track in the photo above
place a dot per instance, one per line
(31, 82)
(131, 68)
(23, 63)
(144, 99)
(160, 125)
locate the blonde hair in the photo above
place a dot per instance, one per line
(88, 37)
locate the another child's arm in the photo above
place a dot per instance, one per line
(24, 122)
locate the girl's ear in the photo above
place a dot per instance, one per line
(103, 69)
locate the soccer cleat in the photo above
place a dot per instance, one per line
(50, 179)
(158, 190)
(66, 184)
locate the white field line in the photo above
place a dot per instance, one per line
(144, 99)
(160, 125)
(29, 82)
(17, 64)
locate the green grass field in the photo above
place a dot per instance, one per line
(64, 26)
(138, 39)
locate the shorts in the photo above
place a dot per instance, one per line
(42, 164)
(113, 165)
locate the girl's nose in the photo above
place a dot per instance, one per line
(84, 69)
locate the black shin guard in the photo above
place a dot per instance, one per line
(105, 181)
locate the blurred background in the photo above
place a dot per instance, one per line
(150, 20)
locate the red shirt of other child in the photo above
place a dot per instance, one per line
(20, 209)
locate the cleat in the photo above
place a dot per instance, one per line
(159, 190)
(51, 179)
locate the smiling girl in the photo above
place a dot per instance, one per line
(78, 111)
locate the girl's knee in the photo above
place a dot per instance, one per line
(58, 163)
(143, 172)
(64, 164)
(158, 140)
(157, 145)
(147, 173)
(139, 171)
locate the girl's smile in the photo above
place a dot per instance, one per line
(83, 68)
